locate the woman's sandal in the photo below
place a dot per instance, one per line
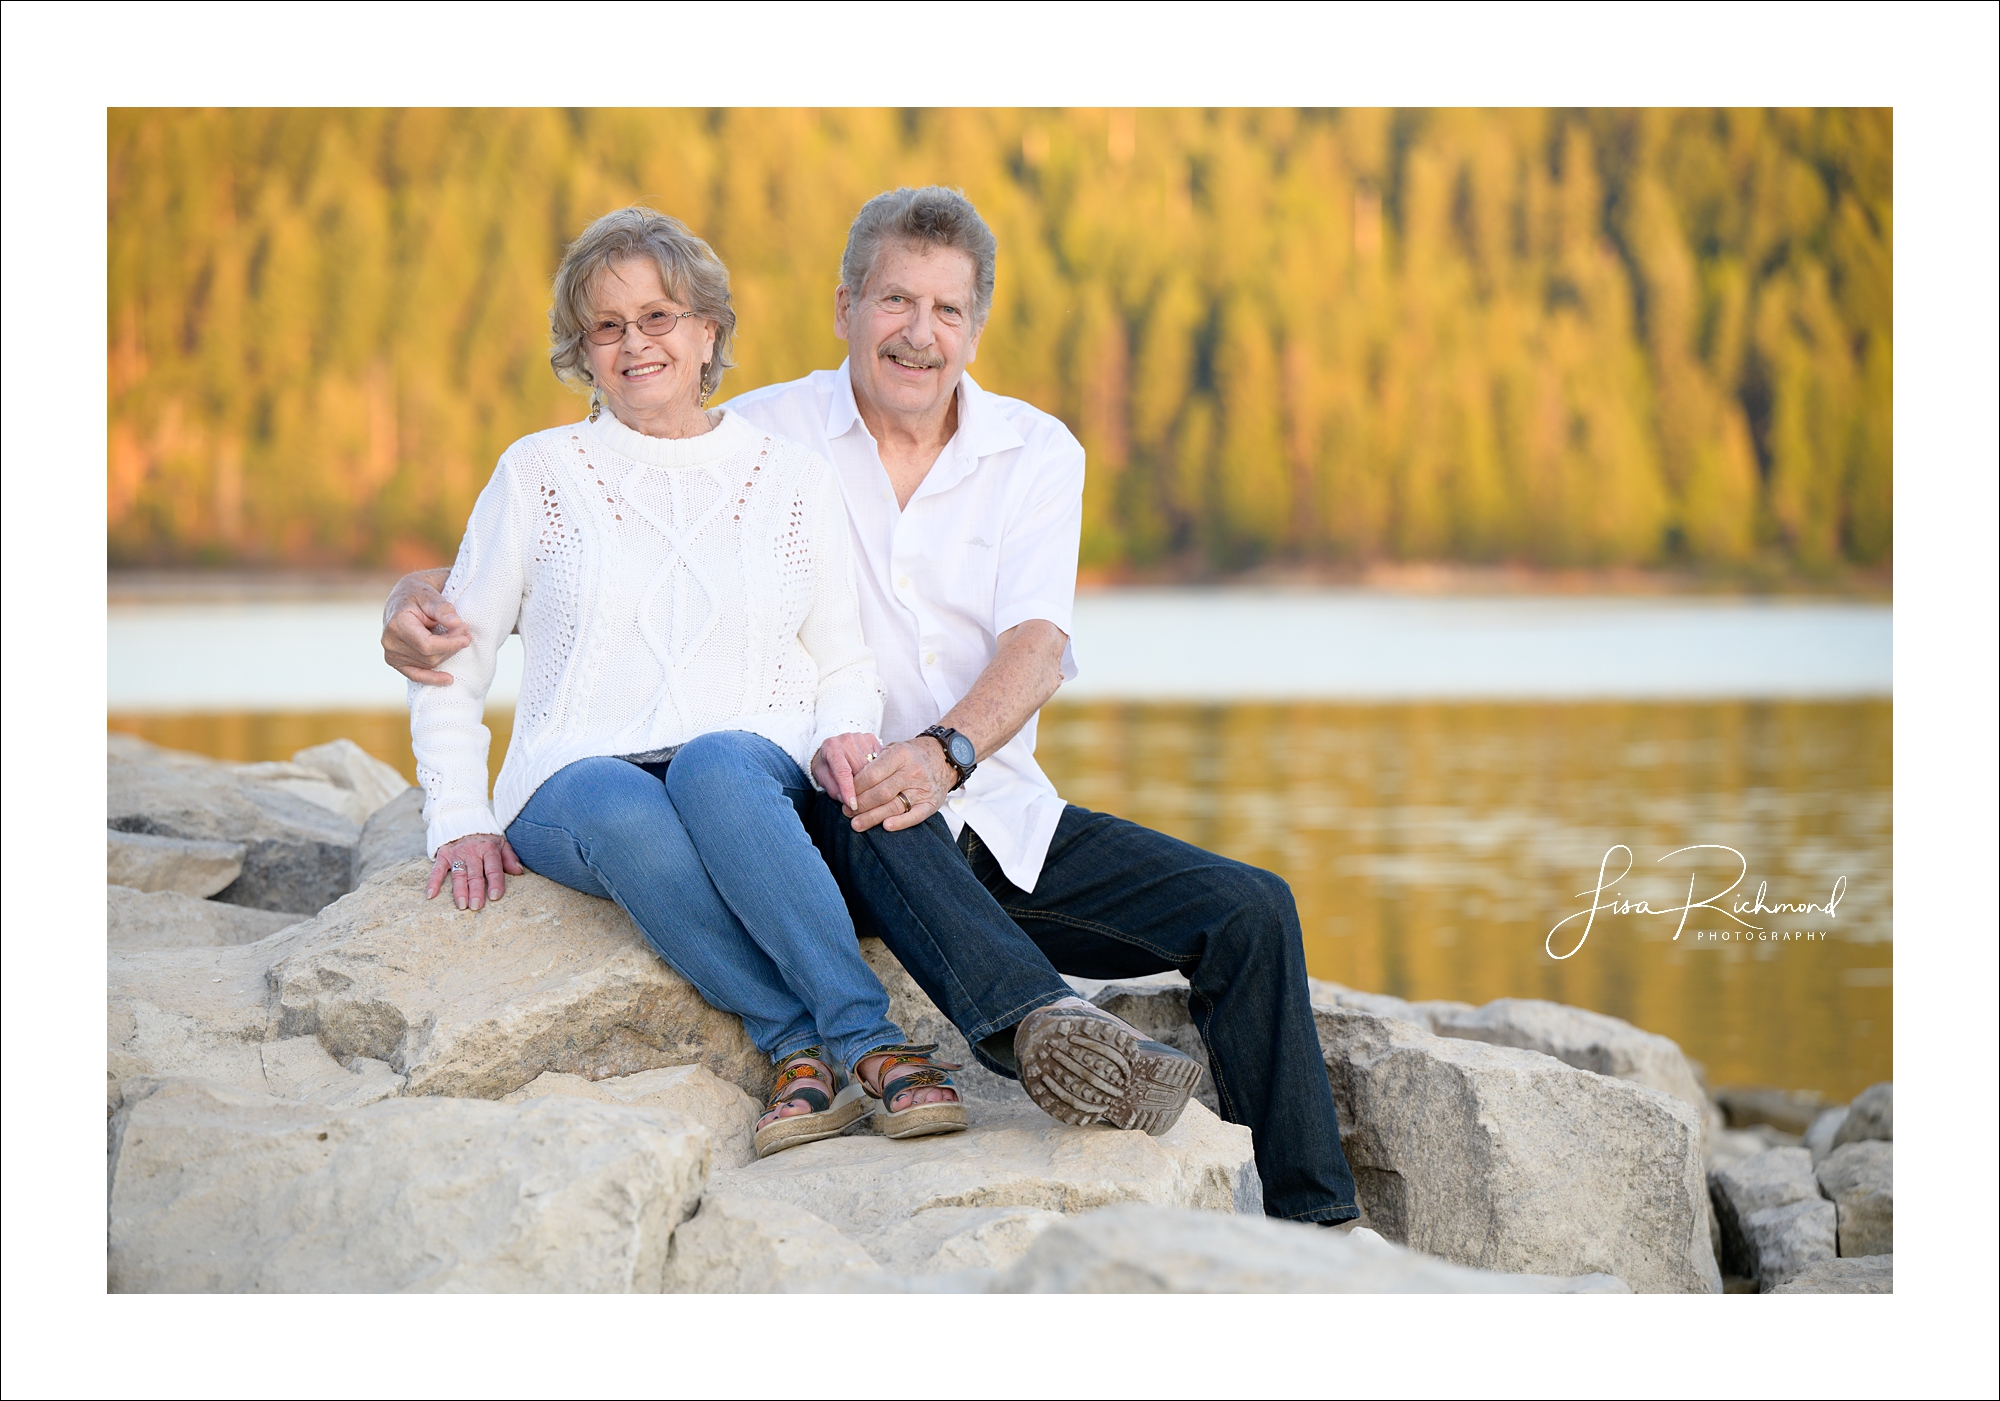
(916, 1120)
(827, 1116)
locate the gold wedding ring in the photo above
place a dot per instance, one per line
(908, 806)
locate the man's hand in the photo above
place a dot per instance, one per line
(477, 866)
(838, 760)
(420, 631)
(903, 787)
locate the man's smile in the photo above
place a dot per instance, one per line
(910, 362)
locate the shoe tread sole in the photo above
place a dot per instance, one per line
(1082, 1069)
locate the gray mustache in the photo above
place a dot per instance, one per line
(903, 351)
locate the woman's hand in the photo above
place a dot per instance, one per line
(838, 760)
(478, 866)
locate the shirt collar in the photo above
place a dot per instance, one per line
(982, 429)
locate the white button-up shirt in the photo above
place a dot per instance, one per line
(988, 541)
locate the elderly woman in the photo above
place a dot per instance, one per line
(683, 587)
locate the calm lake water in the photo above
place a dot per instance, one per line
(1432, 840)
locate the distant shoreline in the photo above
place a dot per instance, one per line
(155, 586)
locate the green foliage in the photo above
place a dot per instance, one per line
(1625, 337)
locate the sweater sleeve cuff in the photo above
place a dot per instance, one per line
(459, 820)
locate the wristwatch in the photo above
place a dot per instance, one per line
(958, 752)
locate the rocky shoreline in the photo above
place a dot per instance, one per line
(316, 1080)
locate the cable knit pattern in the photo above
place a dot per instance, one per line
(663, 589)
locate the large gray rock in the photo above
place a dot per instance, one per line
(729, 1115)
(1727, 1147)
(1505, 1159)
(1859, 1177)
(472, 1005)
(1870, 1274)
(959, 1240)
(479, 1004)
(167, 919)
(1012, 1156)
(1145, 1249)
(1426, 1014)
(1788, 1238)
(1586, 1040)
(369, 783)
(1872, 1115)
(1820, 1135)
(929, 1207)
(339, 776)
(148, 863)
(218, 1190)
(190, 1012)
(1772, 1217)
(298, 1068)
(120, 747)
(752, 1245)
(1746, 1106)
(394, 835)
(202, 1012)
(298, 854)
(862, 1212)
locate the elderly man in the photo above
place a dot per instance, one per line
(949, 842)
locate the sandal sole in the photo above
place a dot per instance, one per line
(1082, 1070)
(780, 1134)
(920, 1121)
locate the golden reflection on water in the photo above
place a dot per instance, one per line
(1432, 846)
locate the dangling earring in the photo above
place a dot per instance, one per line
(701, 399)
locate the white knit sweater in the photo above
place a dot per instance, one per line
(663, 589)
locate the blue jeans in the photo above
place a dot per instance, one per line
(1115, 900)
(709, 857)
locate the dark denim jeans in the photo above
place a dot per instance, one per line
(1115, 900)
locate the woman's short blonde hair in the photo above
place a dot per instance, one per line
(689, 269)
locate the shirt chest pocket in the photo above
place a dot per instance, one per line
(958, 575)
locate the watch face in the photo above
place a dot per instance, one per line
(962, 752)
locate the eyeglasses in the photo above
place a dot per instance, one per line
(656, 324)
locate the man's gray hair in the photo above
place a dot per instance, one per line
(933, 216)
(689, 269)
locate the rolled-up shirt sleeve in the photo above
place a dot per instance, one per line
(1036, 569)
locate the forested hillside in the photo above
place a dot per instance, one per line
(1631, 337)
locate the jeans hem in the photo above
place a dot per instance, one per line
(1324, 1215)
(814, 1045)
(1015, 1016)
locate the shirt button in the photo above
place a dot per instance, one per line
(904, 582)
(930, 659)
